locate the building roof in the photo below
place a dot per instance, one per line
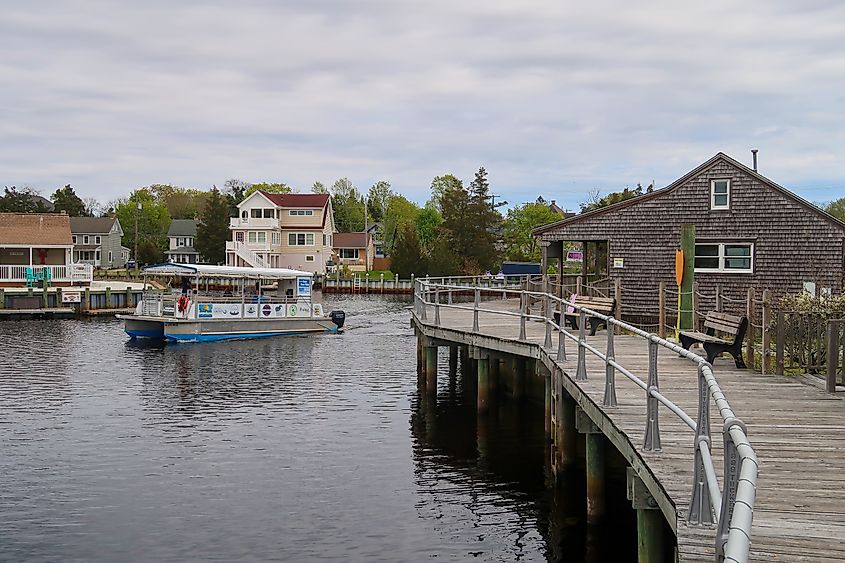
(88, 225)
(350, 240)
(681, 181)
(298, 200)
(182, 228)
(35, 229)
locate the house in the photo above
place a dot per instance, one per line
(555, 208)
(282, 231)
(38, 246)
(381, 261)
(181, 242)
(355, 251)
(96, 241)
(749, 233)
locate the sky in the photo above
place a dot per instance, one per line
(553, 98)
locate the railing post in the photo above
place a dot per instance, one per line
(610, 372)
(437, 306)
(719, 298)
(749, 344)
(581, 370)
(561, 340)
(475, 309)
(522, 306)
(547, 343)
(651, 443)
(700, 508)
(729, 484)
(661, 304)
(832, 355)
(423, 306)
(579, 283)
(695, 306)
(767, 333)
(780, 343)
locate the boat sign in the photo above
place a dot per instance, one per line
(71, 296)
(303, 286)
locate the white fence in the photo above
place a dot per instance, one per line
(82, 273)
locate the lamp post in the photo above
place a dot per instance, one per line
(137, 211)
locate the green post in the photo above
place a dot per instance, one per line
(108, 298)
(2, 298)
(688, 246)
(45, 297)
(595, 458)
(565, 441)
(58, 297)
(649, 521)
(86, 304)
(431, 369)
(129, 300)
(483, 384)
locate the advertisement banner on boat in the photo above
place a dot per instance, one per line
(219, 310)
(303, 286)
(251, 310)
(272, 310)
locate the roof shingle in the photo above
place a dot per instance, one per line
(35, 229)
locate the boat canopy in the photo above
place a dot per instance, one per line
(209, 271)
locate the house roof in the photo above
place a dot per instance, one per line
(350, 240)
(98, 225)
(182, 228)
(297, 200)
(35, 229)
(681, 181)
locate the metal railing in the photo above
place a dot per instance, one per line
(243, 251)
(731, 507)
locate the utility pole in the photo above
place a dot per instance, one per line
(137, 211)
(366, 240)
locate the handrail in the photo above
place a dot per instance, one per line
(735, 505)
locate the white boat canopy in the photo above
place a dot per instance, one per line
(209, 271)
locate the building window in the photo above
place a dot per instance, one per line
(301, 212)
(110, 257)
(309, 258)
(257, 237)
(268, 213)
(96, 240)
(74, 239)
(277, 238)
(245, 215)
(730, 257)
(720, 194)
(239, 236)
(85, 239)
(255, 213)
(301, 239)
(349, 253)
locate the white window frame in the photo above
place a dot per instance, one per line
(309, 258)
(721, 257)
(343, 251)
(74, 239)
(293, 239)
(85, 239)
(277, 238)
(97, 240)
(301, 212)
(260, 237)
(713, 194)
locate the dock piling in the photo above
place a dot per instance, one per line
(431, 369)
(595, 458)
(649, 520)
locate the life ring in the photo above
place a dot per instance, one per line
(182, 304)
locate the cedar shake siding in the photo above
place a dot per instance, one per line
(794, 242)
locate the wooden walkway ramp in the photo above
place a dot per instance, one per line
(797, 431)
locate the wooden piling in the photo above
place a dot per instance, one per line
(518, 373)
(431, 369)
(567, 434)
(483, 402)
(2, 298)
(595, 465)
(749, 343)
(650, 524)
(661, 304)
(108, 298)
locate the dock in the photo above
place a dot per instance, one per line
(796, 430)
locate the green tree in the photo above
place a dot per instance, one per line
(442, 259)
(153, 222)
(439, 185)
(377, 200)
(482, 222)
(836, 208)
(270, 188)
(407, 257)
(181, 203)
(25, 200)
(596, 202)
(401, 212)
(428, 226)
(521, 245)
(65, 199)
(213, 229)
(234, 190)
(348, 206)
(319, 188)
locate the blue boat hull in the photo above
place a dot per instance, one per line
(193, 330)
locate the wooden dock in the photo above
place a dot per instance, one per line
(797, 431)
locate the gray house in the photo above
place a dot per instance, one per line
(749, 233)
(181, 242)
(96, 241)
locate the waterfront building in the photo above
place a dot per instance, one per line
(381, 261)
(181, 236)
(96, 241)
(282, 231)
(749, 233)
(38, 246)
(355, 251)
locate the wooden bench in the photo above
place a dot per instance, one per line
(732, 326)
(603, 305)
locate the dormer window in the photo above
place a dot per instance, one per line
(720, 194)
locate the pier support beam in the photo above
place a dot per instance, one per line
(453, 360)
(483, 360)
(596, 468)
(548, 405)
(431, 369)
(566, 433)
(518, 374)
(649, 520)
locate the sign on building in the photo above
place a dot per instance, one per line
(303, 286)
(71, 297)
(574, 256)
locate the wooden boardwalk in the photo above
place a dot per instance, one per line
(797, 431)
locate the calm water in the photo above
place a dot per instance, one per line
(297, 448)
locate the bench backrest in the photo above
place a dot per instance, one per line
(604, 305)
(723, 322)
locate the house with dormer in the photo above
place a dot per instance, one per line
(282, 231)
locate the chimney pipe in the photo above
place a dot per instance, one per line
(754, 158)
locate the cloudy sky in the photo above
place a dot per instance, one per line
(553, 98)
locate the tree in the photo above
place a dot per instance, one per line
(153, 222)
(482, 222)
(442, 259)
(521, 244)
(595, 202)
(407, 257)
(213, 229)
(319, 188)
(377, 199)
(234, 190)
(270, 188)
(454, 206)
(348, 206)
(26, 200)
(428, 226)
(401, 213)
(93, 208)
(65, 199)
(836, 208)
(181, 203)
(439, 185)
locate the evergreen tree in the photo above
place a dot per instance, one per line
(407, 257)
(483, 222)
(377, 200)
(213, 229)
(26, 200)
(65, 199)
(348, 207)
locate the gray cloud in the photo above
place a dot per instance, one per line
(552, 98)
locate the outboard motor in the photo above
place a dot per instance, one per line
(338, 318)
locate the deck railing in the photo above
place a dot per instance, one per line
(730, 507)
(53, 273)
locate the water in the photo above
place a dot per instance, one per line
(291, 448)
